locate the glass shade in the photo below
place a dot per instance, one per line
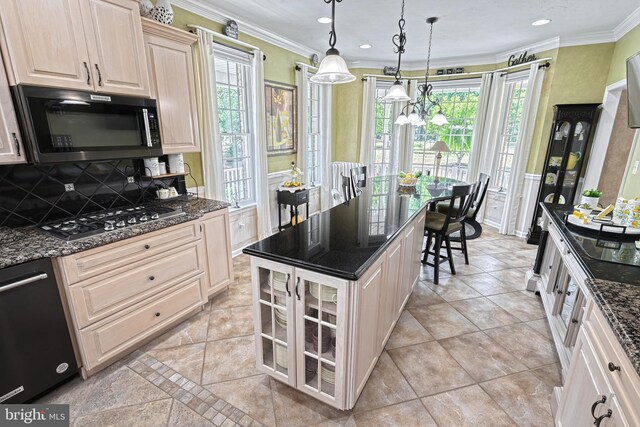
(333, 70)
(402, 119)
(414, 118)
(439, 119)
(439, 146)
(396, 92)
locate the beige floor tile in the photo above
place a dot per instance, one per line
(386, 386)
(182, 415)
(429, 368)
(150, 414)
(542, 327)
(513, 278)
(486, 284)
(230, 322)
(426, 273)
(524, 397)
(422, 296)
(524, 305)
(408, 331)
(251, 395)
(488, 263)
(115, 387)
(294, 408)
(186, 360)
(521, 259)
(482, 357)
(484, 313)
(453, 289)
(461, 268)
(408, 414)
(466, 407)
(191, 331)
(442, 320)
(348, 421)
(492, 246)
(550, 374)
(229, 359)
(238, 295)
(525, 344)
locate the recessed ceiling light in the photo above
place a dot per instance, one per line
(365, 46)
(324, 20)
(540, 22)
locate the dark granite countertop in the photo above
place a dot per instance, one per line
(618, 299)
(346, 239)
(29, 243)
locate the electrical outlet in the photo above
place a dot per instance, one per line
(69, 187)
(131, 180)
(635, 167)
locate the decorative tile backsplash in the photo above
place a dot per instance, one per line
(35, 194)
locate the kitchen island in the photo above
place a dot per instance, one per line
(328, 292)
(590, 289)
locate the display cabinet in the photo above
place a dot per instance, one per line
(564, 165)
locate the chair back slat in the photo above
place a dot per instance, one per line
(462, 196)
(348, 191)
(480, 193)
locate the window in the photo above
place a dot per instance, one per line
(516, 92)
(384, 129)
(459, 105)
(233, 84)
(314, 137)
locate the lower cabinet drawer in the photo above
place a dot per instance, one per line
(625, 380)
(109, 338)
(105, 295)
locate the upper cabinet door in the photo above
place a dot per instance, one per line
(114, 39)
(43, 43)
(172, 82)
(11, 149)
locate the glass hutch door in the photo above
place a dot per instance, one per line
(575, 160)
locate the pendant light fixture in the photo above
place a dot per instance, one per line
(397, 92)
(333, 69)
(421, 107)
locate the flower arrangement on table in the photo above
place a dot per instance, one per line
(409, 179)
(293, 181)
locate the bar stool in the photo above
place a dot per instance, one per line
(441, 226)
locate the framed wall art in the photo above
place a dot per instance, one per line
(282, 121)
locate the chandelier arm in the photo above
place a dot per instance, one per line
(400, 40)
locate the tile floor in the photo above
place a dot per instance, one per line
(474, 350)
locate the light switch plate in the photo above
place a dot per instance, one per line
(635, 167)
(69, 187)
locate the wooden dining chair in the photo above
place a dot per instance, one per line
(348, 191)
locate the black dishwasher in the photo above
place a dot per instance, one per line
(35, 348)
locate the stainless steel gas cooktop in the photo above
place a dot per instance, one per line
(108, 220)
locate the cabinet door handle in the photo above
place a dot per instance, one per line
(152, 278)
(15, 141)
(157, 314)
(86, 67)
(287, 284)
(613, 367)
(595, 405)
(99, 75)
(574, 320)
(602, 417)
(147, 247)
(298, 286)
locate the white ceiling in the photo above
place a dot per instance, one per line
(467, 28)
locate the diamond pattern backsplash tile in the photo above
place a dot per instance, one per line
(35, 194)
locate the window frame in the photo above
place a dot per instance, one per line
(314, 170)
(380, 91)
(244, 63)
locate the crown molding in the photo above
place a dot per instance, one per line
(589, 38)
(629, 23)
(250, 28)
(540, 46)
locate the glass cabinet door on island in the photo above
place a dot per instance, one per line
(569, 144)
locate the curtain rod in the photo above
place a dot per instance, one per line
(472, 73)
(311, 67)
(233, 47)
(224, 37)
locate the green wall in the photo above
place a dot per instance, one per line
(625, 47)
(631, 184)
(278, 67)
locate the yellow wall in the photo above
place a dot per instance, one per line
(278, 67)
(631, 184)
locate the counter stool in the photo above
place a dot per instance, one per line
(470, 220)
(441, 226)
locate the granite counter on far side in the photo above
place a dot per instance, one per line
(29, 243)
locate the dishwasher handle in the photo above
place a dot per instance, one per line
(23, 282)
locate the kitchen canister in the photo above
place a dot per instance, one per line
(151, 166)
(162, 168)
(621, 211)
(176, 163)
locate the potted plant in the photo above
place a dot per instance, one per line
(591, 197)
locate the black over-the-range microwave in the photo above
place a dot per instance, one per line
(61, 125)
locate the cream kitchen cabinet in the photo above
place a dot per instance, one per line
(218, 248)
(389, 293)
(11, 148)
(170, 62)
(93, 45)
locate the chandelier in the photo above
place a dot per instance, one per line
(397, 92)
(333, 69)
(424, 103)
